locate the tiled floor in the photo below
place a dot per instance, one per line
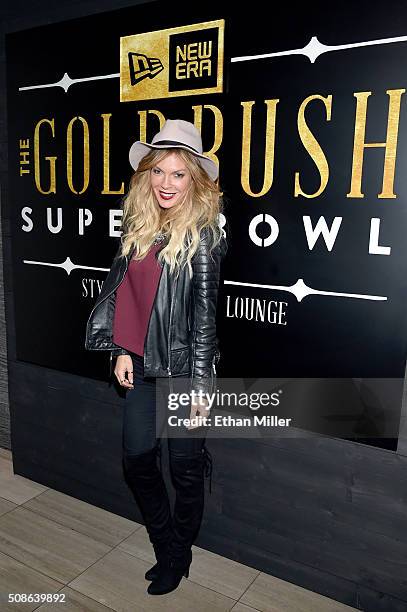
(52, 543)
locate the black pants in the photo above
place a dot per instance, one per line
(190, 461)
(139, 422)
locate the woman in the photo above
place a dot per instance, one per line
(157, 313)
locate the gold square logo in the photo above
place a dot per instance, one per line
(180, 61)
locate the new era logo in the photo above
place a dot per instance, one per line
(182, 61)
(141, 67)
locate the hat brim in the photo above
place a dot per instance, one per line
(139, 149)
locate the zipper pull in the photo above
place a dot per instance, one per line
(111, 365)
(170, 379)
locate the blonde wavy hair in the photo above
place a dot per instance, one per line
(143, 217)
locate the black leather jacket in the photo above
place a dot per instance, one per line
(181, 336)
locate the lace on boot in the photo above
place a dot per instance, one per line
(208, 465)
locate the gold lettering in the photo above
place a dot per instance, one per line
(193, 68)
(24, 156)
(218, 135)
(143, 122)
(69, 155)
(312, 146)
(180, 71)
(106, 157)
(390, 145)
(206, 65)
(51, 160)
(269, 152)
(192, 51)
(181, 54)
(205, 49)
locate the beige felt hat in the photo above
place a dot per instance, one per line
(178, 134)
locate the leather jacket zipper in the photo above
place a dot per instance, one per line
(170, 326)
(213, 373)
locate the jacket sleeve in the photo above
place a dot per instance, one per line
(115, 353)
(90, 325)
(119, 350)
(205, 285)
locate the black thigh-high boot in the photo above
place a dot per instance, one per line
(188, 478)
(148, 487)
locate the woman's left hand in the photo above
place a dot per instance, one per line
(199, 411)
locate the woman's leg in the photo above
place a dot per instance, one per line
(139, 431)
(189, 460)
(140, 449)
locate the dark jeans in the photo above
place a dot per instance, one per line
(189, 459)
(139, 421)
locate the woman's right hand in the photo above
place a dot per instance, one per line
(124, 363)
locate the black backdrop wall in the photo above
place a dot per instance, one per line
(325, 513)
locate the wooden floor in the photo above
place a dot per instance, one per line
(52, 543)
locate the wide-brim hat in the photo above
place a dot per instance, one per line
(177, 134)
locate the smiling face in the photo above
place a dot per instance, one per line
(170, 180)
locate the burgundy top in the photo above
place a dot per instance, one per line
(134, 302)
